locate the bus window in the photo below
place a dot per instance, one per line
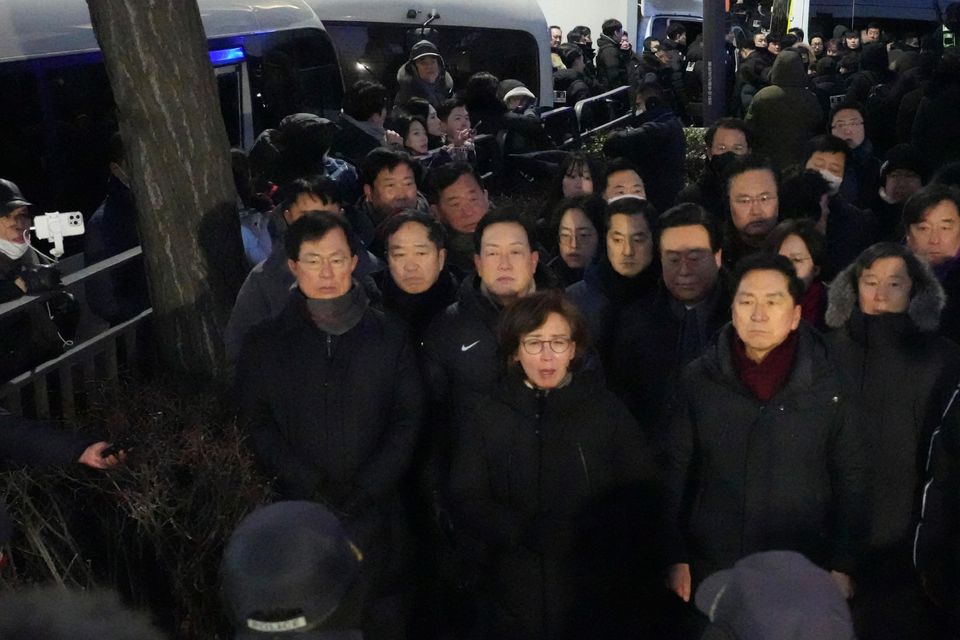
(21, 129)
(228, 86)
(376, 51)
(292, 72)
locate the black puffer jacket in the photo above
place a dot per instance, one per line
(540, 479)
(331, 417)
(743, 476)
(903, 373)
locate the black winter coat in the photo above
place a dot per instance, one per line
(529, 476)
(611, 63)
(645, 360)
(743, 476)
(331, 417)
(902, 374)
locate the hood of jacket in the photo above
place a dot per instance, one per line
(407, 76)
(563, 78)
(875, 58)
(788, 70)
(924, 310)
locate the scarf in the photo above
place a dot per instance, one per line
(765, 378)
(336, 316)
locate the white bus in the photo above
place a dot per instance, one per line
(270, 58)
(508, 38)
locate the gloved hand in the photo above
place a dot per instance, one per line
(40, 277)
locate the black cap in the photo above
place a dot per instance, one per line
(424, 48)
(289, 558)
(10, 197)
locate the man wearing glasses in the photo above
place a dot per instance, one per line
(753, 198)
(861, 179)
(331, 400)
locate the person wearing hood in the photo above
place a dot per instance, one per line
(629, 270)
(331, 401)
(726, 140)
(885, 309)
(571, 78)
(424, 76)
(786, 114)
(936, 128)
(848, 229)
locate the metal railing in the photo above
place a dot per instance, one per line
(562, 126)
(615, 111)
(53, 388)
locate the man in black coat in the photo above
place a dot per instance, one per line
(361, 123)
(330, 396)
(726, 140)
(763, 451)
(668, 330)
(611, 56)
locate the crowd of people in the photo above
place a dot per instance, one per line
(648, 398)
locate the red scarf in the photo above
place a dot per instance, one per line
(765, 378)
(813, 304)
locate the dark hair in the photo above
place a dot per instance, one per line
(788, 40)
(840, 106)
(501, 215)
(442, 176)
(749, 162)
(435, 231)
(688, 215)
(774, 38)
(528, 313)
(419, 107)
(593, 206)
(364, 99)
(569, 53)
(448, 105)
(764, 261)
(314, 225)
(648, 41)
(797, 32)
(804, 229)
(554, 26)
(633, 206)
(929, 196)
(676, 30)
(874, 25)
(576, 34)
(573, 164)
(617, 165)
(825, 143)
(54, 613)
(401, 123)
(920, 277)
(736, 124)
(800, 192)
(610, 26)
(850, 62)
(322, 187)
(381, 159)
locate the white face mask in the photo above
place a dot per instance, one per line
(14, 250)
(833, 181)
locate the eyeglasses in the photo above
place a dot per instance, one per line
(534, 346)
(762, 199)
(316, 263)
(847, 124)
(583, 236)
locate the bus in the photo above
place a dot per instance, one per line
(270, 59)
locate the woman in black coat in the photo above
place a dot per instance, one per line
(886, 309)
(546, 478)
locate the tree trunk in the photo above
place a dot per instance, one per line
(779, 16)
(178, 161)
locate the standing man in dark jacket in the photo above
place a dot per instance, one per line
(674, 326)
(754, 202)
(424, 76)
(330, 396)
(763, 451)
(726, 140)
(572, 79)
(612, 58)
(361, 122)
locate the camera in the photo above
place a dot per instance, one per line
(55, 226)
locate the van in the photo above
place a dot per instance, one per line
(508, 38)
(270, 59)
(656, 16)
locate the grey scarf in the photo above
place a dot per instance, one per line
(338, 315)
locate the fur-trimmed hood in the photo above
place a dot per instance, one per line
(924, 310)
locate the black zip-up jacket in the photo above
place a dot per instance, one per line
(331, 417)
(744, 476)
(530, 473)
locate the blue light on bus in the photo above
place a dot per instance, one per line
(224, 56)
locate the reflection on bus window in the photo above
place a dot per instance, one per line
(377, 51)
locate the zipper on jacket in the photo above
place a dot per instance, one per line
(329, 346)
(586, 471)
